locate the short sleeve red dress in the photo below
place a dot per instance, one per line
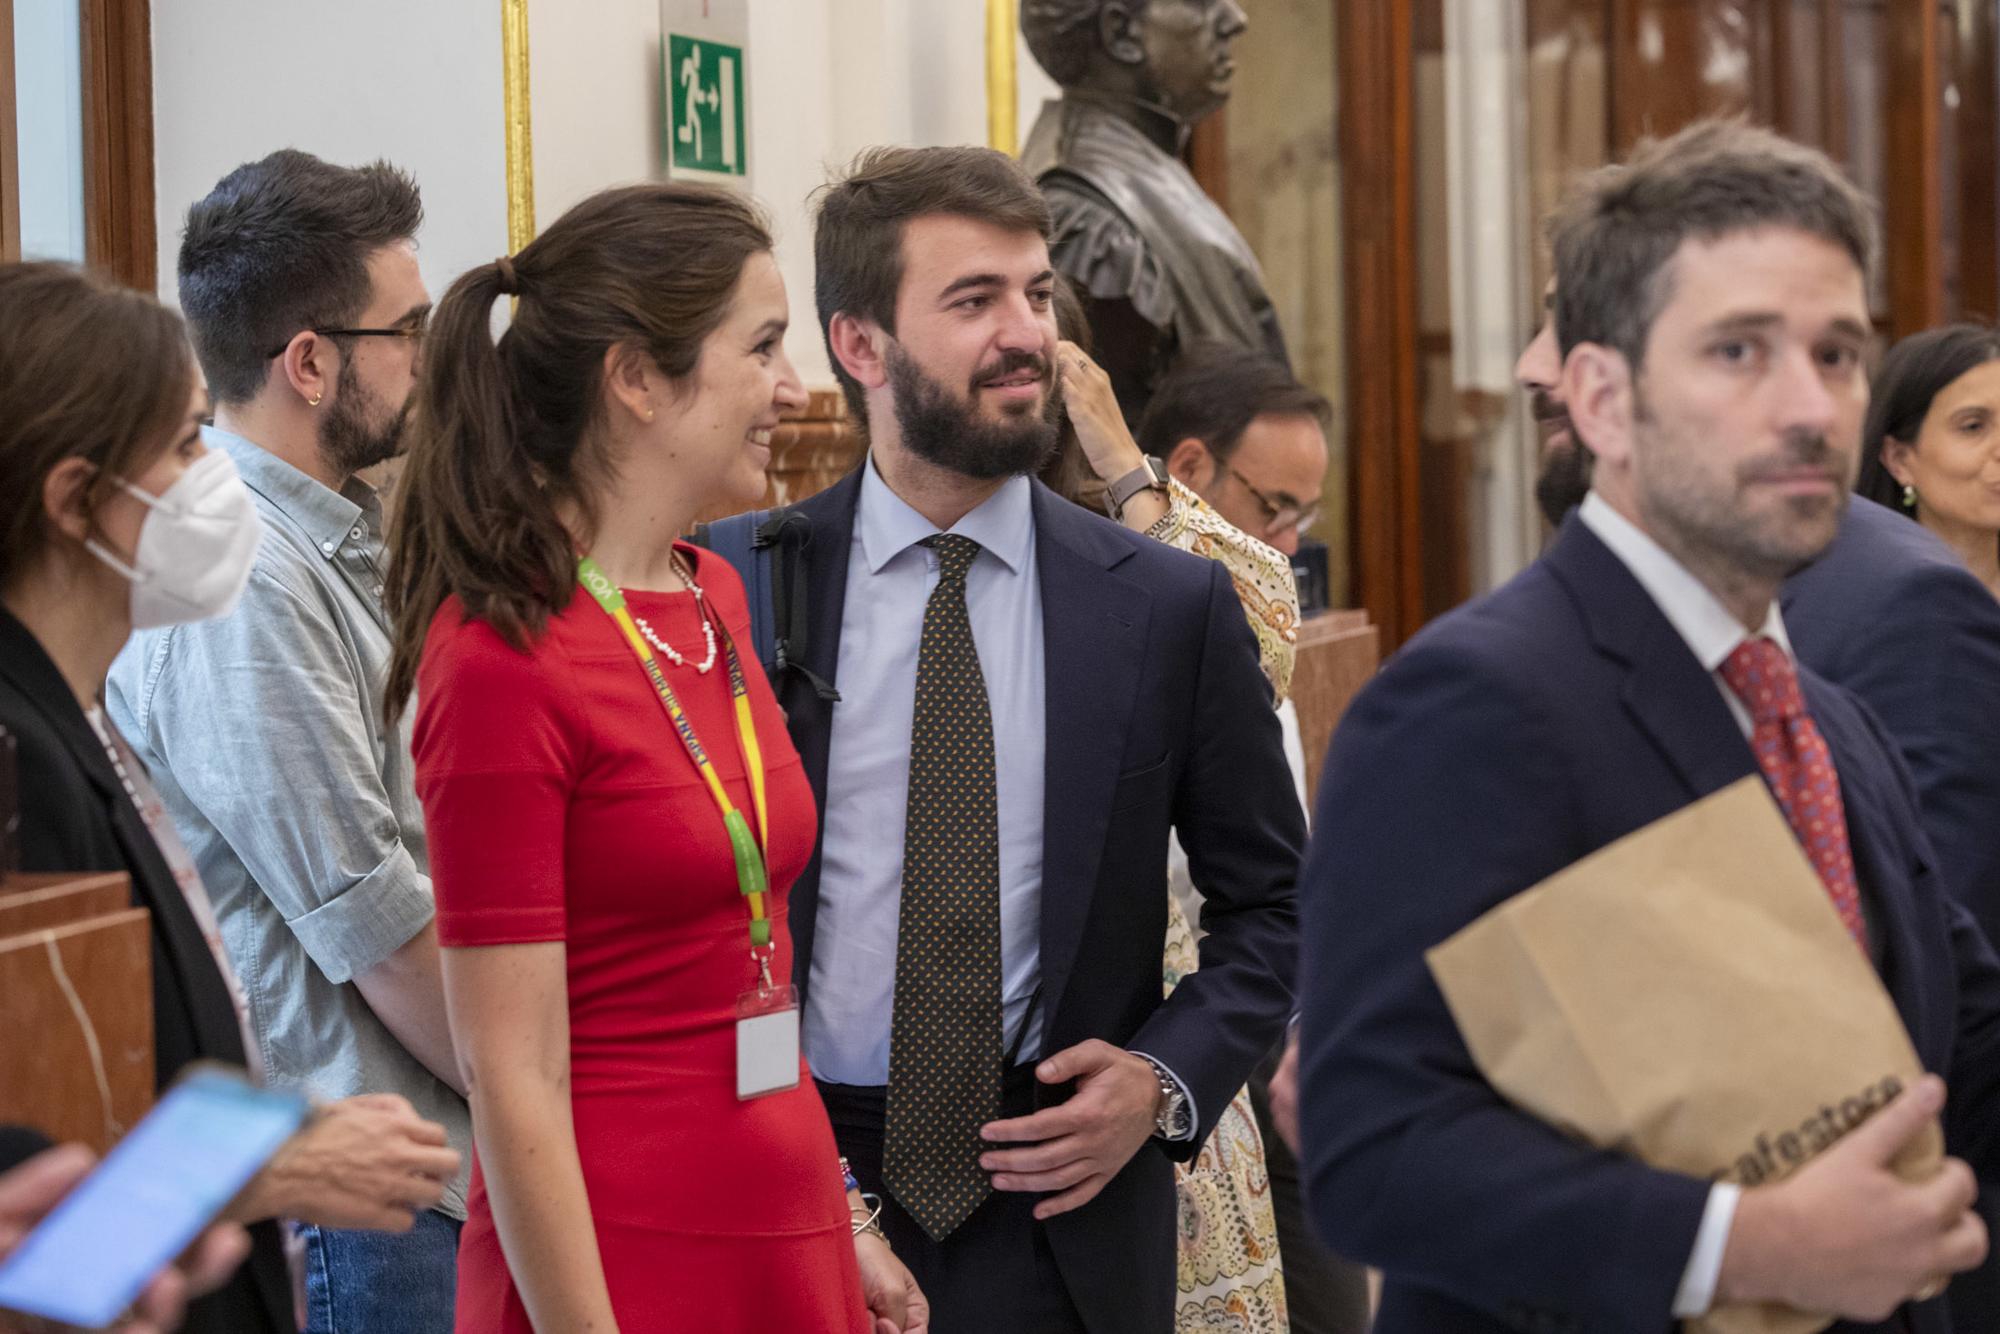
(560, 805)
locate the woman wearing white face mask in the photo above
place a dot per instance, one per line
(115, 516)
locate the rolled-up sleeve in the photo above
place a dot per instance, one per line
(262, 720)
(368, 921)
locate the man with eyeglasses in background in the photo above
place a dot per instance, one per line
(1246, 437)
(263, 729)
(1239, 431)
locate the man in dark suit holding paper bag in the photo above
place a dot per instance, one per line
(1713, 312)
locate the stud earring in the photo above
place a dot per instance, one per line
(313, 402)
(1909, 497)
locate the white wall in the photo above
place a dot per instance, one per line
(414, 81)
(827, 78)
(419, 83)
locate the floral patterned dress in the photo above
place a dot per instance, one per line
(1231, 1277)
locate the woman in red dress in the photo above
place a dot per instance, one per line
(614, 809)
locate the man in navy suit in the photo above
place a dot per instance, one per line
(1030, 697)
(1889, 612)
(1711, 300)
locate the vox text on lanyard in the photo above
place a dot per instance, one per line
(767, 1015)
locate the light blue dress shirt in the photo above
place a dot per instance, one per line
(889, 581)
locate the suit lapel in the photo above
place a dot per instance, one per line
(1680, 709)
(831, 513)
(1884, 879)
(808, 717)
(1094, 624)
(1674, 701)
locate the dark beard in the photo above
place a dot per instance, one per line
(347, 443)
(1564, 480)
(947, 431)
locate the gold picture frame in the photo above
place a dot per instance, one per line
(518, 111)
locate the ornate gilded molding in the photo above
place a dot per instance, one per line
(519, 118)
(1003, 115)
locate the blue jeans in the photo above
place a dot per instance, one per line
(382, 1282)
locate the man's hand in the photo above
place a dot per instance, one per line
(896, 1304)
(1285, 1094)
(1085, 1141)
(364, 1162)
(29, 1191)
(1846, 1236)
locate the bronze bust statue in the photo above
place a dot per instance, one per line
(1157, 263)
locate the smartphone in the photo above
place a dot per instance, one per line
(151, 1197)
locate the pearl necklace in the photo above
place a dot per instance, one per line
(701, 610)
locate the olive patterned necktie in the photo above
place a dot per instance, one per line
(945, 1033)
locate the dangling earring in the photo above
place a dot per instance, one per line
(313, 402)
(1909, 498)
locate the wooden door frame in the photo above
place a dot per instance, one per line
(120, 237)
(10, 157)
(1913, 234)
(1376, 107)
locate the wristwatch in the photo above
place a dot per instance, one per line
(1150, 475)
(1175, 1118)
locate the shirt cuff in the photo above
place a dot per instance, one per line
(1697, 1291)
(1187, 1100)
(369, 920)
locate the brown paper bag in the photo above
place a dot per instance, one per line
(1689, 996)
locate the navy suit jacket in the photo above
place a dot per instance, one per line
(1158, 716)
(1508, 740)
(1893, 615)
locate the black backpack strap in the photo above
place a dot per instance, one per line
(782, 541)
(768, 548)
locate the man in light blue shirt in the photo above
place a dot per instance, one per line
(889, 580)
(264, 728)
(1031, 698)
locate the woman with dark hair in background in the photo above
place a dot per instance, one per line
(114, 515)
(1931, 445)
(615, 810)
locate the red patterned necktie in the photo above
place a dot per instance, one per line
(1799, 768)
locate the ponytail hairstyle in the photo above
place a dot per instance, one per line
(503, 433)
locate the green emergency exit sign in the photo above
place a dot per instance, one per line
(704, 87)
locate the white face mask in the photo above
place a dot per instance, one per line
(195, 547)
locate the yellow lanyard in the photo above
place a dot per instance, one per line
(750, 874)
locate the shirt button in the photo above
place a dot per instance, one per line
(327, 547)
(356, 534)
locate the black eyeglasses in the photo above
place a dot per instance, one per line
(1280, 514)
(413, 332)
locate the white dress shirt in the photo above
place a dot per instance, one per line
(1712, 633)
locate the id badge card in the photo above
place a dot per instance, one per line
(767, 1041)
